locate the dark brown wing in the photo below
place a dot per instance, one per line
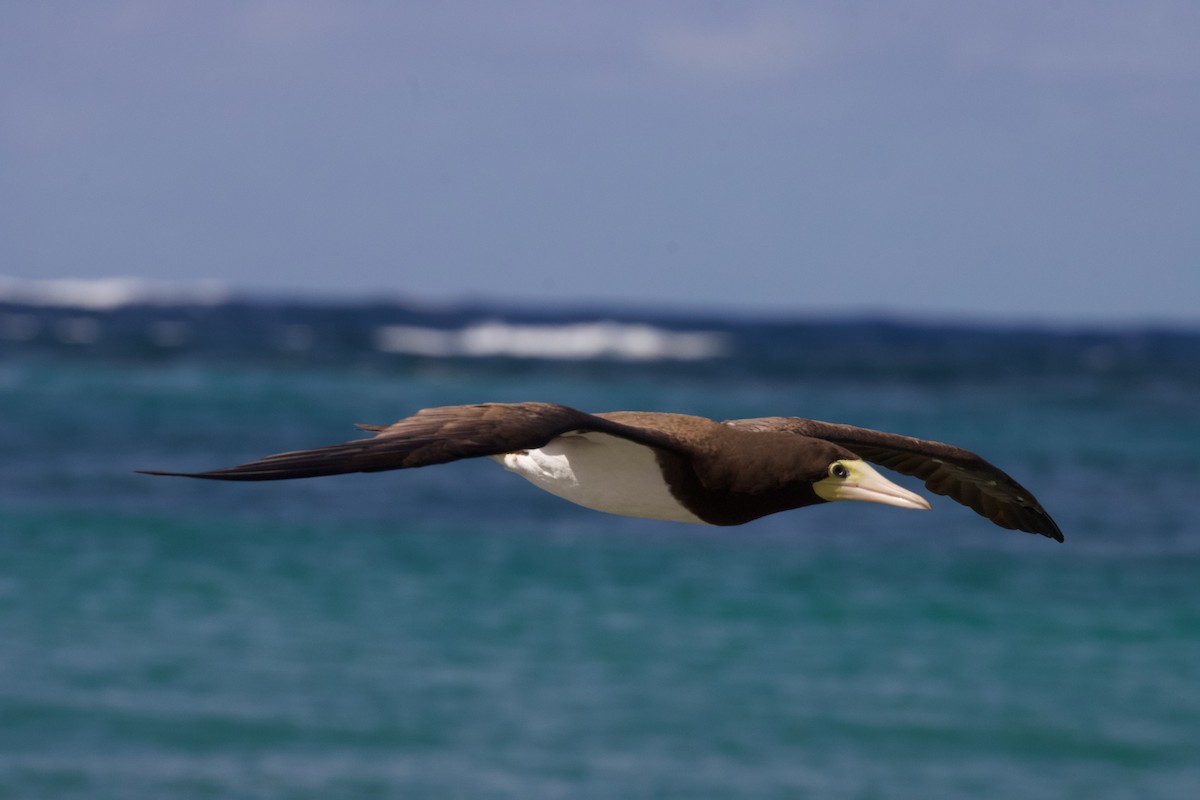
(947, 470)
(431, 436)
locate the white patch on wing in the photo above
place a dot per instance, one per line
(601, 472)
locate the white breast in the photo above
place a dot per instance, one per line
(601, 472)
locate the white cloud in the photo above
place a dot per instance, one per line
(289, 23)
(761, 46)
(1151, 40)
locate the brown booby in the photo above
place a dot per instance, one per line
(671, 466)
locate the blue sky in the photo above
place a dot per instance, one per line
(1011, 160)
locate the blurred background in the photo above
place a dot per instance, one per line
(228, 230)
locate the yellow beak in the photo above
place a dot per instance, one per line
(864, 483)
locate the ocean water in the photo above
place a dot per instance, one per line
(455, 633)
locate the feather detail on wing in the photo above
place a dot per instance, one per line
(947, 470)
(431, 436)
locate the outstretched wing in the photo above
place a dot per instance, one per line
(431, 436)
(947, 470)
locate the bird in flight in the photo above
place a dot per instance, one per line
(670, 466)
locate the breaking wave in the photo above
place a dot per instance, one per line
(107, 294)
(578, 341)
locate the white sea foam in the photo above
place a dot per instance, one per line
(169, 333)
(19, 327)
(77, 330)
(297, 337)
(106, 294)
(575, 341)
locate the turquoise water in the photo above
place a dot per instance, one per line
(454, 633)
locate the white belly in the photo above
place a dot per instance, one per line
(601, 472)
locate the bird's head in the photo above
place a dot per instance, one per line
(851, 478)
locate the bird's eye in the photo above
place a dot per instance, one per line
(838, 470)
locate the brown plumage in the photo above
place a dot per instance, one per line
(947, 470)
(723, 473)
